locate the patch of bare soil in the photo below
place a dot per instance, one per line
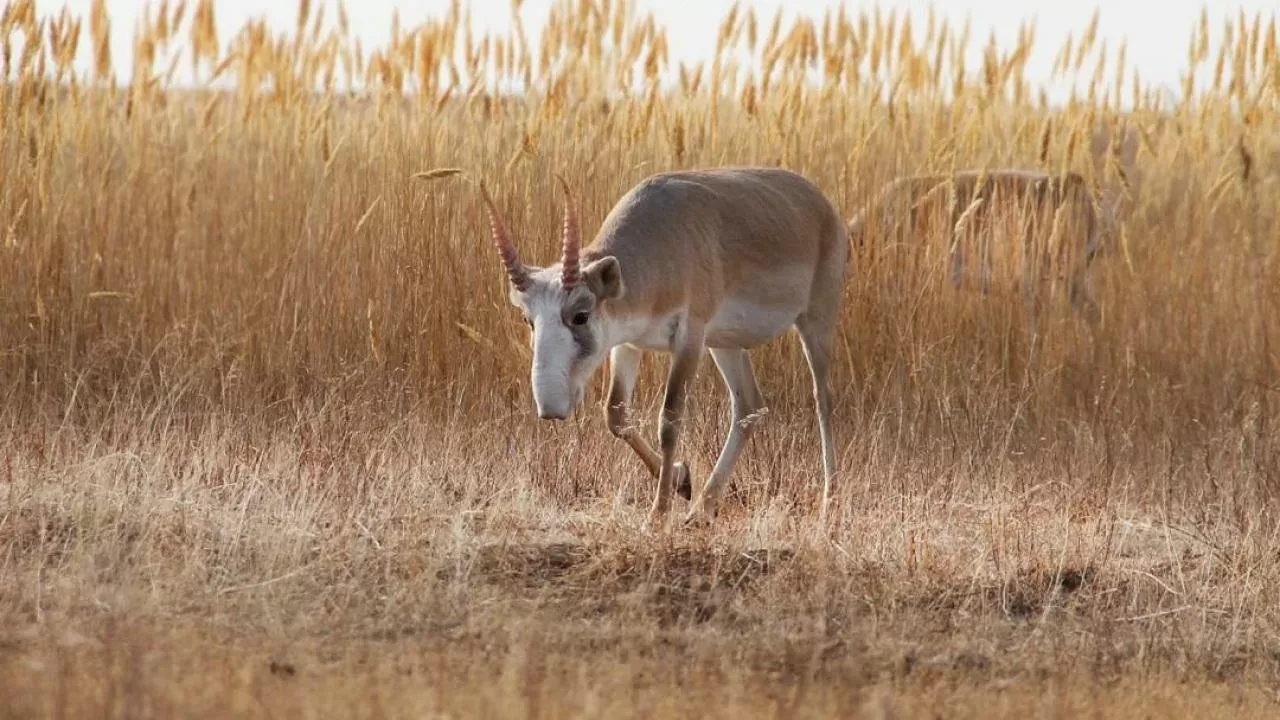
(676, 583)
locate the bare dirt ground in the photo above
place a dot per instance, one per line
(155, 571)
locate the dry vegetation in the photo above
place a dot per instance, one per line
(266, 444)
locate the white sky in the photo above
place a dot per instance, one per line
(1157, 31)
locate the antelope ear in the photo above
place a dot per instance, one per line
(604, 278)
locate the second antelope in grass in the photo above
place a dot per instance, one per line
(722, 260)
(1001, 229)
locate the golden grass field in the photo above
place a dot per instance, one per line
(267, 446)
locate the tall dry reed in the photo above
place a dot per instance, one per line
(260, 243)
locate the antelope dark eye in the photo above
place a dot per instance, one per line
(580, 318)
(528, 322)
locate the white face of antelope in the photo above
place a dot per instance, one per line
(568, 332)
(565, 307)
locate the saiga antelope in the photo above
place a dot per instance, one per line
(1038, 245)
(722, 260)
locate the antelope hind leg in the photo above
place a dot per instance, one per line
(735, 370)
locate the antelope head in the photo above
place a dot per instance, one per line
(565, 306)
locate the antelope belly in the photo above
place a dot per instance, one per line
(747, 322)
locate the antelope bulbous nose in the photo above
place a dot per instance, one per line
(548, 414)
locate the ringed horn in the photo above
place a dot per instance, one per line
(516, 270)
(506, 249)
(569, 275)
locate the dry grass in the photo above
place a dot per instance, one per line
(266, 446)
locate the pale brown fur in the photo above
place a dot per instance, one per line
(697, 241)
(729, 228)
(719, 260)
(1114, 158)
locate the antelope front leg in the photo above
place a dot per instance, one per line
(624, 368)
(684, 365)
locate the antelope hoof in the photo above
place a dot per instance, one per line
(824, 511)
(698, 517)
(659, 516)
(657, 521)
(684, 481)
